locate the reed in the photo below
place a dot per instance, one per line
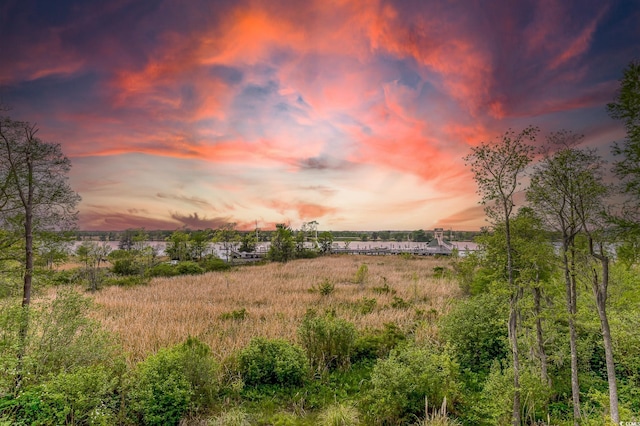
(227, 309)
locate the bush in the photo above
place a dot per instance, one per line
(497, 396)
(161, 393)
(328, 341)
(378, 343)
(361, 274)
(477, 330)
(125, 266)
(400, 383)
(211, 264)
(168, 384)
(189, 268)
(273, 362)
(162, 270)
(89, 395)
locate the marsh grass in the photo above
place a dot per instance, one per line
(273, 299)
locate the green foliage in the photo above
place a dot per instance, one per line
(328, 340)
(189, 268)
(88, 395)
(125, 266)
(237, 315)
(126, 281)
(162, 270)
(399, 303)
(326, 287)
(477, 330)
(63, 337)
(366, 305)
(375, 344)
(70, 368)
(211, 264)
(339, 415)
(160, 393)
(497, 396)
(361, 274)
(273, 362)
(384, 289)
(282, 248)
(400, 383)
(168, 384)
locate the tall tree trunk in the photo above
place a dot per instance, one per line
(27, 201)
(513, 324)
(600, 293)
(544, 374)
(571, 310)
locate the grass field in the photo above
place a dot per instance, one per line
(227, 309)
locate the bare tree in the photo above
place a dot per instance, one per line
(498, 169)
(35, 196)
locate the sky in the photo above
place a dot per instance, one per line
(354, 114)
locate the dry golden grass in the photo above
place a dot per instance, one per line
(275, 297)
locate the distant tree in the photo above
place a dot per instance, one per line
(248, 243)
(52, 248)
(326, 242)
(282, 247)
(92, 254)
(198, 244)
(178, 246)
(374, 236)
(228, 236)
(497, 169)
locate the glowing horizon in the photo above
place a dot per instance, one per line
(355, 114)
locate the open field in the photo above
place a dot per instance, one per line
(227, 309)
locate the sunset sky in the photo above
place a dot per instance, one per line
(355, 114)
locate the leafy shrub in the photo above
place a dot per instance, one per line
(339, 415)
(399, 303)
(326, 287)
(63, 337)
(125, 266)
(400, 383)
(366, 305)
(477, 330)
(497, 395)
(89, 395)
(275, 362)
(162, 270)
(361, 274)
(189, 268)
(378, 343)
(211, 264)
(327, 340)
(161, 393)
(174, 380)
